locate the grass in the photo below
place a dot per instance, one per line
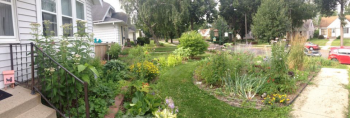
(336, 42)
(195, 103)
(320, 42)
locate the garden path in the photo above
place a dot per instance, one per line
(328, 44)
(325, 97)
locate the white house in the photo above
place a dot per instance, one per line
(205, 33)
(110, 26)
(16, 17)
(307, 29)
(330, 27)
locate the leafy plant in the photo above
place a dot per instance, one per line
(174, 60)
(114, 50)
(193, 41)
(115, 70)
(184, 53)
(145, 70)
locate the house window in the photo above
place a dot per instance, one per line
(80, 10)
(49, 14)
(333, 30)
(346, 30)
(6, 18)
(323, 31)
(66, 6)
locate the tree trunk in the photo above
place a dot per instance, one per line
(341, 25)
(171, 40)
(191, 23)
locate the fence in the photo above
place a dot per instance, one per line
(101, 50)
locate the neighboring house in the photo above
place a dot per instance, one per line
(110, 26)
(330, 27)
(132, 33)
(307, 29)
(205, 33)
(17, 15)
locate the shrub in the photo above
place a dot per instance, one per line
(213, 68)
(114, 50)
(316, 33)
(279, 66)
(145, 70)
(137, 51)
(338, 37)
(320, 37)
(174, 60)
(184, 53)
(193, 41)
(115, 70)
(143, 40)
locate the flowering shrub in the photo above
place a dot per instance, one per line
(145, 70)
(275, 98)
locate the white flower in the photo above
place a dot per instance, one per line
(258, 62)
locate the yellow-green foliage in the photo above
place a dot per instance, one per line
(174, 60)
(193, 41)
(296, 54)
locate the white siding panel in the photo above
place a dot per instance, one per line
(24, 24)
(28, 1)
(26, 12)
(105, 32)
(25, 5)
(27, 18)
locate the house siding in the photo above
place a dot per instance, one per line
(26, 13)
(335, 25)
(107, 32)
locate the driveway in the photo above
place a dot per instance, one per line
(326, 97)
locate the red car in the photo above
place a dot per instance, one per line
(341, 54)
(311, 46)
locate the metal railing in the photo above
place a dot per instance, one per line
(43, 82)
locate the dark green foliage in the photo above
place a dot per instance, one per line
(114, 50)
(143, 40)
(316, 33)
(338, 37)
(193, 40)
(320, 37)
(115, 70)
(143, 104)
(271, 20)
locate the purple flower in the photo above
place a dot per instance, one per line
(177, 110)
(167, 101)
(171, 105)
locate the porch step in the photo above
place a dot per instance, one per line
(40, 111)
(19, 103)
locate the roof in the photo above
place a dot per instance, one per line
(99, 12)
(326, 21)
(121, 16)
(306, 26)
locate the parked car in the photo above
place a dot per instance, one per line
(341, 54)
(311, 46)
(309, 52)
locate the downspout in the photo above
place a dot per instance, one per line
(121, 28)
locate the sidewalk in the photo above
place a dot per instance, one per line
(328, 44)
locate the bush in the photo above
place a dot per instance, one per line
(143, 40)
(145, 70)
(320, 37)
(338, 37)
(137, 51)
(115, 70)
(184, 53)
(193, 40)
(174, 60)
(114, 50)
(316, 33)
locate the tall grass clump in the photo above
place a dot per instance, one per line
(296, 55)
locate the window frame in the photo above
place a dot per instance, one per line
(345, 29)
(59, 16)
(70, 17)
(14, 19)
(51, 13)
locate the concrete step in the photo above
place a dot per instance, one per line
(40, 111)
(22, 104)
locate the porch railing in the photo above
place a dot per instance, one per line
(37, 83)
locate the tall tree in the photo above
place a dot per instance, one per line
(153, 16)
(271, 20)
(201, 11)
(237, 12)
(328, 7)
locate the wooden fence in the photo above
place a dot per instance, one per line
(101, 50)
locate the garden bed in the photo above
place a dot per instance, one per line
(257, 102)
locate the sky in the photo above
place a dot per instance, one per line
(115, 4)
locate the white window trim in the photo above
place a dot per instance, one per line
(13, 38)
(59, 15)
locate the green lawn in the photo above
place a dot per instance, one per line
(195, 103)
(320, 42)
(336, 42)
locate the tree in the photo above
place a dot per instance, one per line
(271, 20)
(234, 12)
(328, 7)
(201, 11)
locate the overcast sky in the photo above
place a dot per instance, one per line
(115, 4)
